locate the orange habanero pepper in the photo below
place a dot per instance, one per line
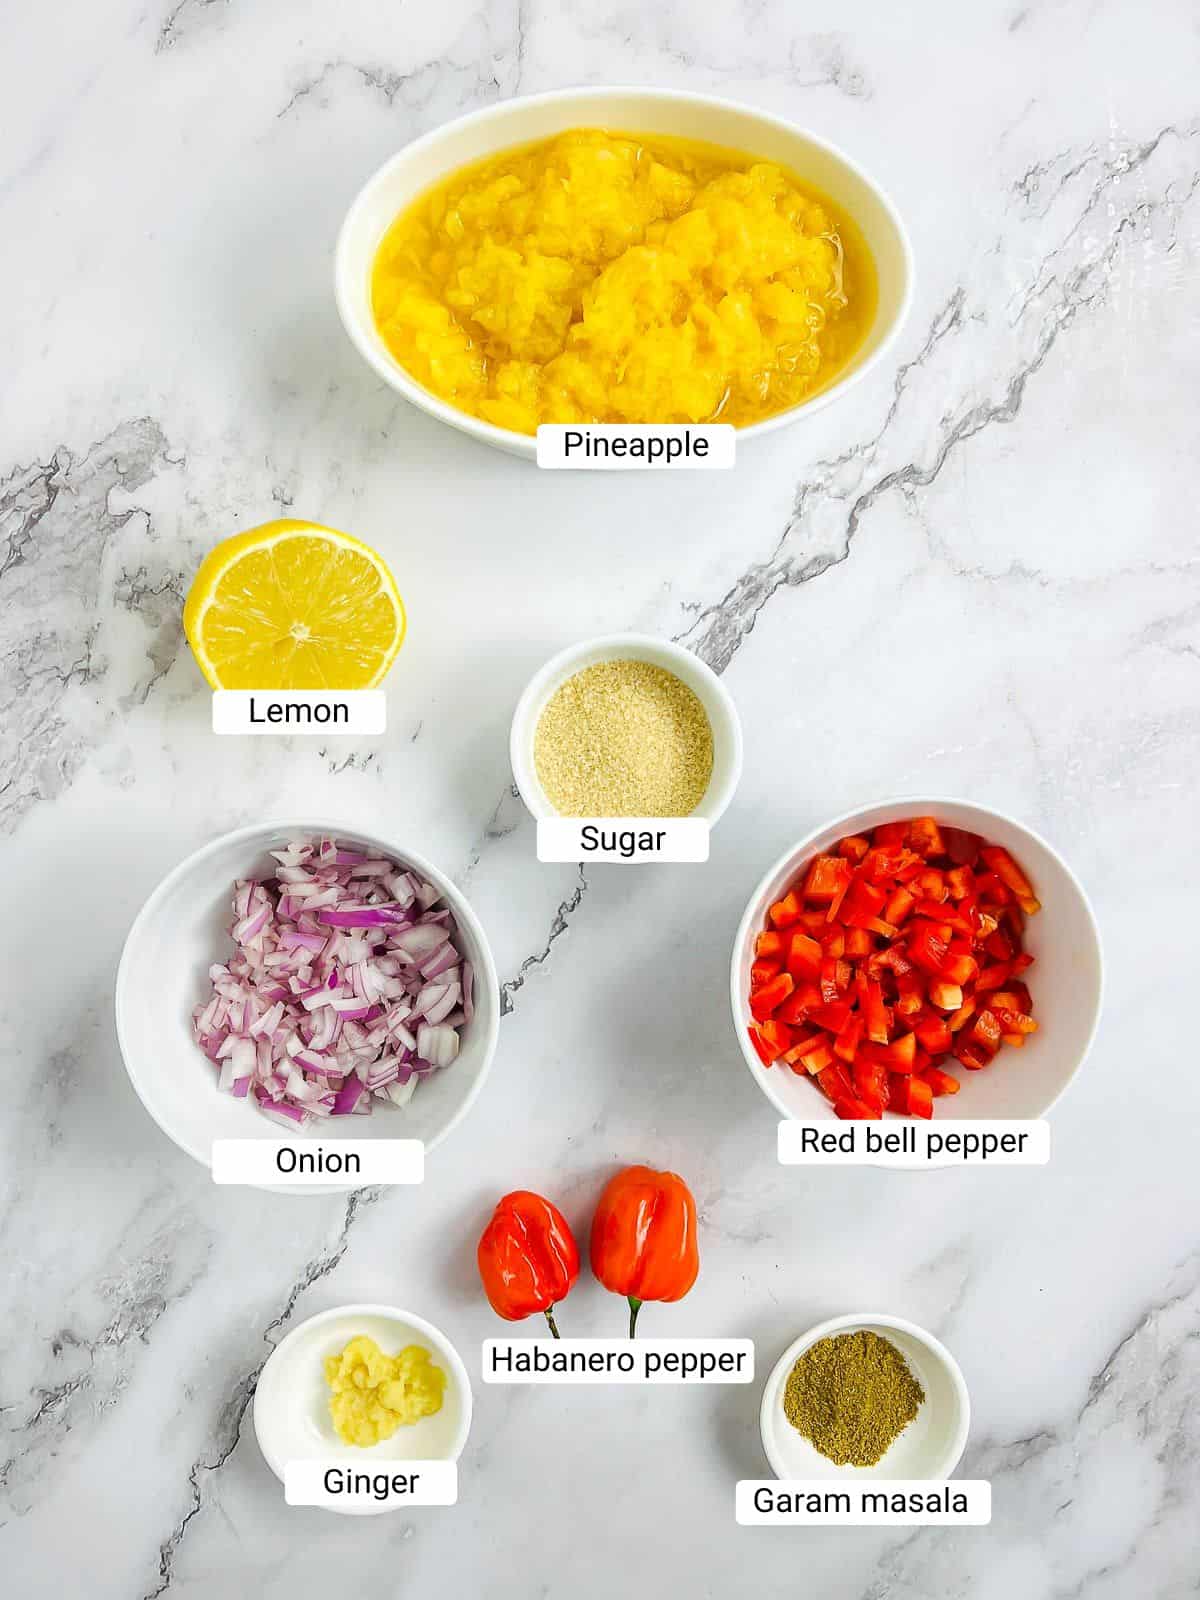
(644, 1238)
(528, 1258)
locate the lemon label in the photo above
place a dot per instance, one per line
(315, 711)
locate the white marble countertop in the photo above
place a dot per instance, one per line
(977, 575)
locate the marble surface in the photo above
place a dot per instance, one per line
(978, 576)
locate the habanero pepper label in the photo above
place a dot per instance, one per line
(914, 1144)
(675, 1361)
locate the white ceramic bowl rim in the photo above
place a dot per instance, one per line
(868, 1319)
(915, 805)
(522, 444)
(684, 662)
(440, 1342)
(201, 1150)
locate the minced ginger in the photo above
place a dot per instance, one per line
(600, 277)
(372, 1394)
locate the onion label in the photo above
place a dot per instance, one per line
(388, 1486)
(873, 1502)
(676, 1361)
(914, 1144)
(309, 1162)
(353, 712)
(622, 839)
(625, 447)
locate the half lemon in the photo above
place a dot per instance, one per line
(293, 605)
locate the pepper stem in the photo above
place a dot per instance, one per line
(634, 1307)
(551, 1321)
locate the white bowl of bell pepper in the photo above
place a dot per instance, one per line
(918, 957)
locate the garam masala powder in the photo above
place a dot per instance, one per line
(852, 1395)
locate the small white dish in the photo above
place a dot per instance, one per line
(420, 165)
(184, 927)
(1067, 980)
(689, 669)
(932, 1444)
(291, 1402)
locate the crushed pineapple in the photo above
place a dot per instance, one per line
(603, 277)
(372, 1394)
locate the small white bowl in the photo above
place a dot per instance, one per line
(1066, 982)
(932, 1444)
(183, 928)
(291, 1402)
(688, 668)
(472, 138)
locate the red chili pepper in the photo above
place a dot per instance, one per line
(528, 1258)
(644, 1238)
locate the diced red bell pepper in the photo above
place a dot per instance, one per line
(1016, 1022)
(960, 882)
(925, 948)
(834, 1083)
(778, 1035)
(1016, 1040)
(890, 833)
(899, 904)
(962, 847)
(858, 944)
(925, 837)
(767, 1051)
(832, 1017)
(930, 884)
(827, 876)
(1010, 874)
(799, 1006)
(818, 1056)
(959, 969)
(970, 1055)
(940, 1082)
(993, 977)
(870, 1001)
(962, 1016)
(902, 1053)
(986, 1032)
(847, 1042)
(933, 1034)
(762, 972)
(764, 1001)
(855, 1111)
(803, 956)
(854, 847)
(945, 996)
(991, 890)
(786, 911)
(833, 943)
(828, 980)
(871, 1084)
(769, 945)
(913, 1096)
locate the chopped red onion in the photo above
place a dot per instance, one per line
(334, 953)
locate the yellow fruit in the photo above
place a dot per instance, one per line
(292, 605)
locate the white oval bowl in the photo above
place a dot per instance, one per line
(932, 1444)
(184, 927)
(712, 694)
(1067, 980)
(291, 1401)
(420, 165)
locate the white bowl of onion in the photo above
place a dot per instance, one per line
(231, 1038)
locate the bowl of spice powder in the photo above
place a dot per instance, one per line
(869, 1395)
(626, 726)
